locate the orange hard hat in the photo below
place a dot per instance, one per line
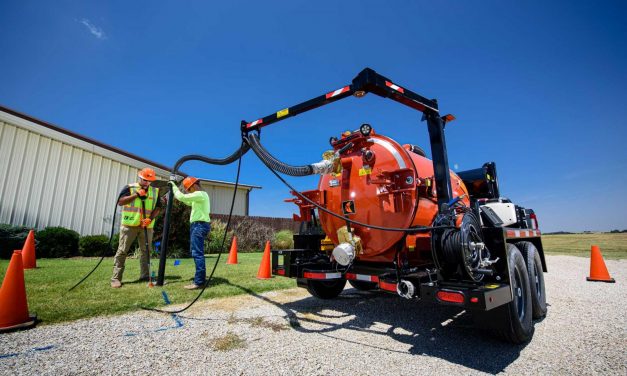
(147, 174)
(189, 181)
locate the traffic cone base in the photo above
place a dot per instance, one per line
(27, 325)
(598, 270)
(264, 268)
(13, 305)
(29, 260)
(232, 260)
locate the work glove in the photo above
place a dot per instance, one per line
(146, 222)
(141, 193)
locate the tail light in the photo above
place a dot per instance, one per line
(533, 217)
(450, 296)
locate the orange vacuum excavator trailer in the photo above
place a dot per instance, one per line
(386, 217)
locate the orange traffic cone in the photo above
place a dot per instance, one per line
(28, 252)
(233, 253)
(598, 270)
(264, 267)
(13, 306)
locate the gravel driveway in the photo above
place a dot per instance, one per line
(290, 333)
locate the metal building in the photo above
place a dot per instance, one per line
(43, 169)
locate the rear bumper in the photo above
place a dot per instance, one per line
(301, 265)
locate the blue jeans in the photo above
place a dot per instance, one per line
(197, 233)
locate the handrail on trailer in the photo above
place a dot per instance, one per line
(369, 81)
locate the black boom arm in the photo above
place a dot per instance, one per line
(369, 81)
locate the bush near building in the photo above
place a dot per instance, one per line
(96, 246)
(11, 238)
(57, 242)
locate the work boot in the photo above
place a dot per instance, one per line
(116, 284)
(193, 286)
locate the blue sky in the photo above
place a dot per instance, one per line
(538, 87)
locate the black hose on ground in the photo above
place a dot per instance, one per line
(275, 164)
(104, 253)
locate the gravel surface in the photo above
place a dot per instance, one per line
(289, 333)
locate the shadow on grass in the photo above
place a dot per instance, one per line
(439, 331)
(169, 278)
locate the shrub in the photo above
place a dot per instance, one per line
(214, 243)
(252, 235)
(57, 242)
(95, 245)
(178, 243)
(283, 240)
(12, 238)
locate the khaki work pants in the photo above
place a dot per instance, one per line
(127, 236)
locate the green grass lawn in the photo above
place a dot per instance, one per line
(613, 246)
(48, 296)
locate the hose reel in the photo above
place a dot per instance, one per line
(462, 252)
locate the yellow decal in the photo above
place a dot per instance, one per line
(365, 171)
(492, 286)
(282, 113)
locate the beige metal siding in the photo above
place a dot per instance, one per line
(50, 178)
(221, 197)
(58, 181)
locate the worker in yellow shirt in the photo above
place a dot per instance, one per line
(199, 224)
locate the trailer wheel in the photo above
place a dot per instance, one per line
(363, 285)
(325, 289)
(536, 278)
(512, 321)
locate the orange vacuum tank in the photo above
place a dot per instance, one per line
(379, 182)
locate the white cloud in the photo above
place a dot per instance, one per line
(93, 29)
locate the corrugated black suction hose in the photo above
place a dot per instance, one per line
(275, 164)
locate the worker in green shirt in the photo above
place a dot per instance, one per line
(199, 224)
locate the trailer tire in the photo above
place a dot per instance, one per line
(512, 322)
(363, 285)
(536, 278)
(325, 289)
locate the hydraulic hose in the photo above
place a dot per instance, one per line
(273, 163)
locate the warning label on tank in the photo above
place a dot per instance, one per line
(365, 171)
(348, 207)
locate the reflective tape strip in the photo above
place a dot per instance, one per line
(311, 275)
(395, 87)
(523, 233)
(388, 146)
(256, 122)
(338, 92)
(362, 277)
(387, 286)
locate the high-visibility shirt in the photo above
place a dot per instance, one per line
(199, 201)
(132, 212)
